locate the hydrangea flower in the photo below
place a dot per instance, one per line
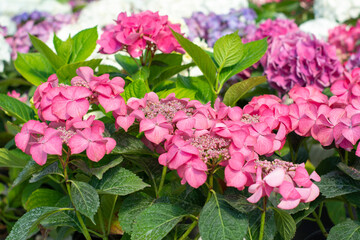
(135, 33)
(300, 59)
(332, 10)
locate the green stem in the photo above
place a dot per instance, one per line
(102, 225)
(320, 224)
(96, 233)
(163, 175)
(192, 226)
(346, 157)
(262, 224)
(111, 215)
(211, 185)
(84, 228)
(350, 210)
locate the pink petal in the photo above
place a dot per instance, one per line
(110, 145)
(275, 178)
(77, 108)
(314, 193)
(77, 143)
(302, 177)
(288, 204)
(125, 122)
(235, 178)
(157, 134)
(256, 196)
(38, 154)
(96, 151)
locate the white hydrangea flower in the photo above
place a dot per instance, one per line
(319, 27)
(5, 53)
(14, 7)
(337, 10)
(5, 21)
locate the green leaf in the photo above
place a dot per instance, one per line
(34, 67)
(67, 72)
(285, 224)
(350, 171)
(13, 158)
(336, 211)
(131, 207)
(129, 64)
(199, 56)
(135, 89)
(171, 71)
(16, 108)
(43, 197)
(84, 44)
(142, 74)
(30, 168)
(299, 216)
(51, 169)
(254, 224)
(63, 48)
(348, 230)
(155, 222)
(55, 61)
(97, 171)
(29, 222)
(179, 93)
(128, 144)
(228, 50)
(85, 198)
(118, 181)
(253, 52)
(204, 92)
(161, 63)
(335, 184)
(236, 91)
(219, 220)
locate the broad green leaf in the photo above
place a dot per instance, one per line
(204, 92)
(34, 67)
(142, 74)
(128, 144)
(14, 82)
(236, 91)
(43, 197)
(299, 216)
(179, 93)
(161, 63)
(335, 184)
(51, 169)
(16, 108)
(13, 158)
(63, 48)
(228, 50)
(238, 201)
(28, 190)
(118, 181)
(350, 171)
(85, 198)
(254, 225)
(129, 64)
(219, 220)
(155, 222)
(30, 168)
(171, 71)
(135, 89)
(29, 222)
(97, 171)
(55, 61)
(84, 44)
(348, 230)
(336, 211)
(131, 207)
(67, 72)
(253, 52)
(199, 56)
(285, 224)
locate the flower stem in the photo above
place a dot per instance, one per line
(320, 224)
(163, 175)
(211, 184)
(262, 224)
(102, 225)
(111, 215)
(192, 226)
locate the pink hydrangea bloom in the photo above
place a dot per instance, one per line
(300, 59)
(139, 31)
(16, 95)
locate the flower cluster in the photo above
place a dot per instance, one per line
(291, 181)
(211, 27)
(135, 33)
(332, 10)
(39, 24)
(16, 95)
(353, 61)
(300, 59)
(345, 38)
(334, 120)
(65, 108)
(195, 139)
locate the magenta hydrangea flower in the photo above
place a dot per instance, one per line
(300, 59)
(135, 33)
(17, 96)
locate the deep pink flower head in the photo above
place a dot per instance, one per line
(300, 59)
(136, 32)
(44, 88)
